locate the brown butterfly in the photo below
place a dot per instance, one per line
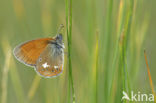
(46, 55)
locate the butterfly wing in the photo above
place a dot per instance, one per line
(29, 52)
(50, 62)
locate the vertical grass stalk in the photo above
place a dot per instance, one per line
(107, 45)
(126, 41)
(5, 76)
(96, 66)
(116, 52)
(125, 38)
(69, 38)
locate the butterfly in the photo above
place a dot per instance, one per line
(46, 55)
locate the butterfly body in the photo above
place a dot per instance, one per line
(46, 55)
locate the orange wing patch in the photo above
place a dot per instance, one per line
(29, 52)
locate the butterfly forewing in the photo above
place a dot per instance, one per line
(29, 52)
(50, 62)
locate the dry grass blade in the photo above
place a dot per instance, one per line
(149, 75)
(5, 77)
(7, 52)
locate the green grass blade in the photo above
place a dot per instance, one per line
(69, 38)
(107, 48)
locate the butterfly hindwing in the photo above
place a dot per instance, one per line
(50, 62)
(29, 52)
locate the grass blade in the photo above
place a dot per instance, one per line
(69, 38)
(95, 67)
(5, 75)
(107, 43)
(149, 75)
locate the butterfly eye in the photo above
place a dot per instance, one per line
(40, 59)
(59, 38)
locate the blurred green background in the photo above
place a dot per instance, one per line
(103, 32)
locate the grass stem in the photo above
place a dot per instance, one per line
(5, 76)
(69, 38)
(149, 74)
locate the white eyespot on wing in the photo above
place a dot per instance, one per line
(45, 65)
(56, 67)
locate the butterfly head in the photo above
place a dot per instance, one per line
(58, 40)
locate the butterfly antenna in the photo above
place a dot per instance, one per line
(60, 28)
